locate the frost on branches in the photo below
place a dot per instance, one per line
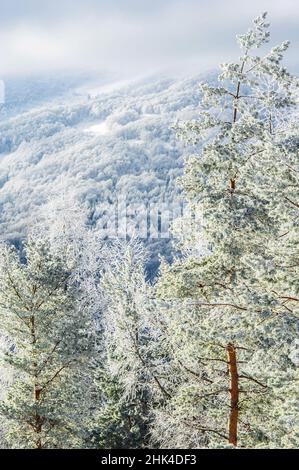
(47, 302)
(231, 315)
(131, 338)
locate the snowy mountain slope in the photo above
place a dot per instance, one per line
(98, 142)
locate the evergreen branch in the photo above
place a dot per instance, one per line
(238, 307)
(50, 294)
(291, 299)
(203, 429)
(290, 167)
(163, 390)
(213, 359)
(49, 357)
(216, 392)
(292, 202)
(253, 380)
(192, 372)
(55, 375)
(20, 298)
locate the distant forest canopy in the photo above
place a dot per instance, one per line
(94, 142)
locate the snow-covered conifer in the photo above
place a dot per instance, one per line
(47, 305)
(130, 338)
(231, 312)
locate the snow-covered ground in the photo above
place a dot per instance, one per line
(99, 129)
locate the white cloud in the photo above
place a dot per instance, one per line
(133, 36)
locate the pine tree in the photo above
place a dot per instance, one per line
(132, 382)
(46, 307)
(119, 422)
(229, 313)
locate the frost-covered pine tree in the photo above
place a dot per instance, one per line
(229, 312)
(47, 301)
(133, 380)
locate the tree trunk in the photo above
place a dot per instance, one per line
(234, 394)
(38, 419)
(37, 389)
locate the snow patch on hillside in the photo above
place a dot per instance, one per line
(98, 129)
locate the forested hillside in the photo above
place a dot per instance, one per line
(94, 142)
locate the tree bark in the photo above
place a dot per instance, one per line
(37, 388)
(38, 418)
(234, 394)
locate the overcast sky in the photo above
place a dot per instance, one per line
(133, 36)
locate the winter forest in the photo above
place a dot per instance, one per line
(186, 341)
